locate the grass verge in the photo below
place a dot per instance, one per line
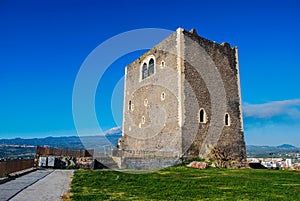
(183, 183)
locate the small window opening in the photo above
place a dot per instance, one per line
(143, 120)
(227, 119)
(130, 105)
(146, 102)
(163, 96)
(202, 116)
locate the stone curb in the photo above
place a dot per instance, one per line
(4, 179)
(14, 175)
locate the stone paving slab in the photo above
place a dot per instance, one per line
(49, 188)
(11, 188)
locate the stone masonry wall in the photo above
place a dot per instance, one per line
(159, 134)
(231, 141)
(207, 77)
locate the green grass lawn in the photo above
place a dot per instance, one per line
(183, 183)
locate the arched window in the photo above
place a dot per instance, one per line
(147, 67)
(162, 96)
(202, 116)
(227, 120)
(151, 66)
(144, 71)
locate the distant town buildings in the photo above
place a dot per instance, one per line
(277, 163)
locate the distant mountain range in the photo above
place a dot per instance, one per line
(286, 146)
(26, 147)
(284, 150)
(266, 147)
(74, 142)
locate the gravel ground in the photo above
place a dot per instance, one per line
(39, 185)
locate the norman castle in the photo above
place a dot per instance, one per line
(182, 99)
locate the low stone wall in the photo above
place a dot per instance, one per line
(148, 163)
(134, 163)
(65, 162)
(60, 158)
(7, 167)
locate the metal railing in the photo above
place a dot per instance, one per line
(7, 167)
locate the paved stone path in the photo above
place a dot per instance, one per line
(39, 185)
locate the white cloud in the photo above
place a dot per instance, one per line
(271, 109)
(113, 130)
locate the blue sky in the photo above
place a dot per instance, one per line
(44, 43)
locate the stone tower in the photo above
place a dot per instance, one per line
(182, 99)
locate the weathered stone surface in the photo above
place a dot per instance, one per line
(161, 112)
(228, 164)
